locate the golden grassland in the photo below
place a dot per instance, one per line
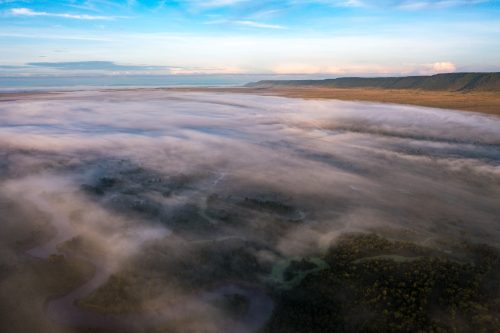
(476, 101)
(484, 102)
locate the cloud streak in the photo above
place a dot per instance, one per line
(261, 36)
(31, 13)
(260, 25)
(288, 4)
(95, 65)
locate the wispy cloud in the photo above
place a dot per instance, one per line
(32, 13)
(260, 25)
(257, 36)
(441, 67)
(366, 69)
(57, 36)
(215, 3)
(402, 4)
(439, 4)
(95, 65)
(248, 23)
(109, 67)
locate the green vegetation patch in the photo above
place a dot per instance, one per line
(289, 273)
(163, 274)
(374, 285)
(394, 257)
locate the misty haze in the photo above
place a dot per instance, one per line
(249, 166)
(158, 211)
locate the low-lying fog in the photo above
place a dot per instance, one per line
(144, 174)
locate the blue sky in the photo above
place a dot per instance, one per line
(337, 37)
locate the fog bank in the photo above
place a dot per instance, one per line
(157, 180)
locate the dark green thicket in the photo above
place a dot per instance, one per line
(374, 285)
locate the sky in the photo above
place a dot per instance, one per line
(335, 37)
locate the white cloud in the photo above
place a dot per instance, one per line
(214, 3)
(444, 67)
(248, 23)
(366, 69)
(32, 13)
(254, 24)
(344, 69)
(351, 3)
(399, 4)
(66, 36)
(215, 70)
(427, 4)
(297, 68)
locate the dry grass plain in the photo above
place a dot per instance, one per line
(484, 102)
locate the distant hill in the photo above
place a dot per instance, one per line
(439, 82)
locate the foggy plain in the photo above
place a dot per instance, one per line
(156, 181)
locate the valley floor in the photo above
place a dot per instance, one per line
(484, 102)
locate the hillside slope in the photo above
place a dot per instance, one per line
(438, 82)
